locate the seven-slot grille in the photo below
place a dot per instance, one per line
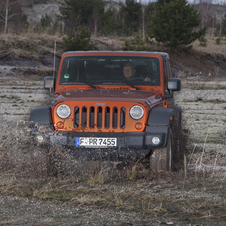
(99, 116)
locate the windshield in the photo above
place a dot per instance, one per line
(100, 70)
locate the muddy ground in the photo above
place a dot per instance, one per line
(106, 196)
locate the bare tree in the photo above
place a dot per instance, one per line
(95, 20)
(5, 15)
(205, 9)
(143, 23)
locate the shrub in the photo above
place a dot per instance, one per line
(46, 21)
(218, 40)
(80, 41)
(202, 41)
(137, 43)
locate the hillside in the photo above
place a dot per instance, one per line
(33, 54)
(208, 10)
(35, 12)
(41, 8)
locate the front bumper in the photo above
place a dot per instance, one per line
(129, 145)
(134, 140)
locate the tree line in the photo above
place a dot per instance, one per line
(172, 22)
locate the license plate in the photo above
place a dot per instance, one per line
(98, 142)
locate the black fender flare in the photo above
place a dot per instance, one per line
(159, 122)
(160, 116)
(41, 115)
(40, 123)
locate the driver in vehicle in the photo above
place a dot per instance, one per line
(129, 72)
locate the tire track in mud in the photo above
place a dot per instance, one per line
(204, 116)
(19, 97)
(28, 212)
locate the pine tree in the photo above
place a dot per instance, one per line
(86, 12)
(111, 24)
(132, 15)
(79, 41)
(175, 24)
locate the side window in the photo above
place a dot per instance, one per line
(165, 73)
(169, 69)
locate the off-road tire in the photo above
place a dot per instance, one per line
(177, 144)
(161, 159)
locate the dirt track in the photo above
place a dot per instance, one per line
(24, 211)
(204, 116)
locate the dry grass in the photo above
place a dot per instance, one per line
(196, 195)
(28, 46)
(212, 47)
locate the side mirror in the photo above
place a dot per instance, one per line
(49, 83)
(174, 84)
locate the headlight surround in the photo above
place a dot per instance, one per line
(63, 111)
(136, 112)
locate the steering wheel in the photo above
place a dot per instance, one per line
(137, 79)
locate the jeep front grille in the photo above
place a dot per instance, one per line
(99, 116)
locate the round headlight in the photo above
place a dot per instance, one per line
(63, 111)
(136, 112)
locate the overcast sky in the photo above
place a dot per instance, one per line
(192, 1)
(217, 2)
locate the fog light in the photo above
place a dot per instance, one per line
(60, 125)
(155, 140)
(138, 126)
(40, 138)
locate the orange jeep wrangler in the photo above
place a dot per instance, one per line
(109, 106)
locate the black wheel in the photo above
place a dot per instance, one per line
(161, 159)
(40, 162)
(171, 157)
(177, 149)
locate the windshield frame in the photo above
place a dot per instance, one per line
(134, 55)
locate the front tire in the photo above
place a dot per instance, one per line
(161, 159)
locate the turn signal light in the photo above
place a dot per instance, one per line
(138, 126)
(60, 125)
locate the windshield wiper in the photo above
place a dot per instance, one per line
(94, 87)
(135, 87)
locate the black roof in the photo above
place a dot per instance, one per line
(129, 52)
